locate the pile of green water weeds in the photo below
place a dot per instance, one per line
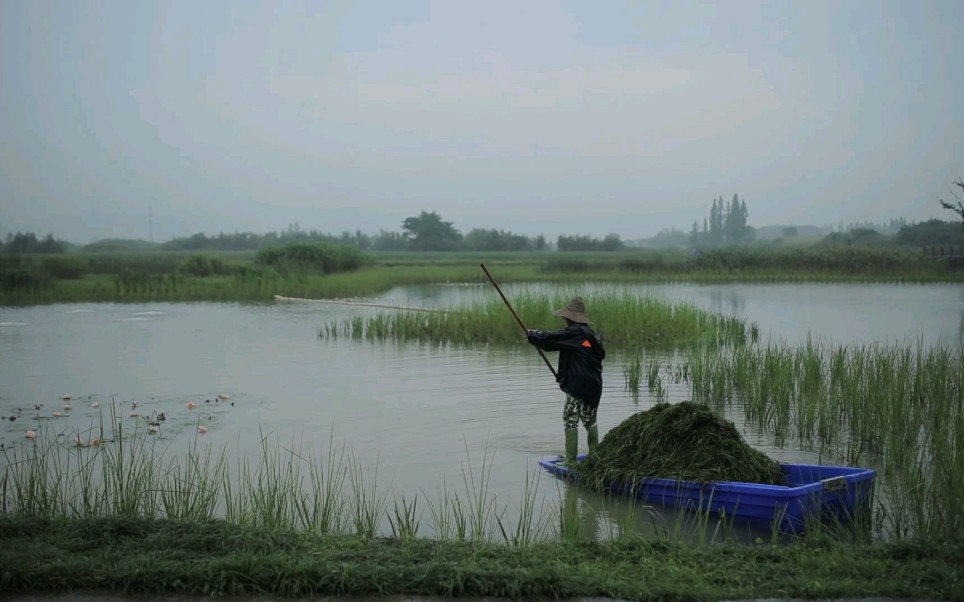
(685, 441)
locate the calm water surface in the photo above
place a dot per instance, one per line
(417, 412)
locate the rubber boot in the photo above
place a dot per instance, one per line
(572, 447)
(592, 436)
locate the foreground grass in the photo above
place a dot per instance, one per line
(216, 558)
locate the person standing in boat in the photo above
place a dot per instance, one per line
(579, 374)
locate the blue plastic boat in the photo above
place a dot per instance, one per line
(823, 493)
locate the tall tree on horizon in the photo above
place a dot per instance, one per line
(736, 221)
(717, 219)
(727, 224)
(428, 232)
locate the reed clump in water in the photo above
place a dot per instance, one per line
(685, 441)
(625, 319)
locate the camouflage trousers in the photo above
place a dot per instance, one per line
(575, 412)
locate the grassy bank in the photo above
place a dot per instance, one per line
(213, 558)
(170, 276)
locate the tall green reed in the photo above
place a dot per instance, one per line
(483, 512)
(632, 373)
(897, 406)
(367, 504)
(448, 515)
(190, 485)
(405, 523)
(623, 319)
(527, 528)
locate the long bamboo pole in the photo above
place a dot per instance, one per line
(517, 318)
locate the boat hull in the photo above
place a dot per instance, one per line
(835, 494)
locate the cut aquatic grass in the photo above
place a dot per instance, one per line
(685, 441)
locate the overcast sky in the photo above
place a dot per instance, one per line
(534, 117)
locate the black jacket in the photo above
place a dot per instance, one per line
(580, 360)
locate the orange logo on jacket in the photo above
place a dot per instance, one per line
(587, 344)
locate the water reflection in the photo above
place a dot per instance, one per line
(595, 516)
(729, 302)
(960, 330)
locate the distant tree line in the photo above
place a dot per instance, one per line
(23, 243)
(479, 239)
(114, 245)
(862, 237)
(931, 232)
(611, 242)
(727, 224)
(424, 232)
(317, 257)
(427, 231)
(249, 241)
(889, 228)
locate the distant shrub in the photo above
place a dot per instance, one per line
(21, 280)
(104, 246)
(119, 245)
(843, 259)
(27, 243)
(203, 266)
(131, 279)
(859, 236)
(130, 282)
(650, 264)
(568, 265)
(64, 267)
(11, 262)
(322, 257)
(149, 263)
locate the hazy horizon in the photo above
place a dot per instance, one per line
(825, 228)
(537, 118)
